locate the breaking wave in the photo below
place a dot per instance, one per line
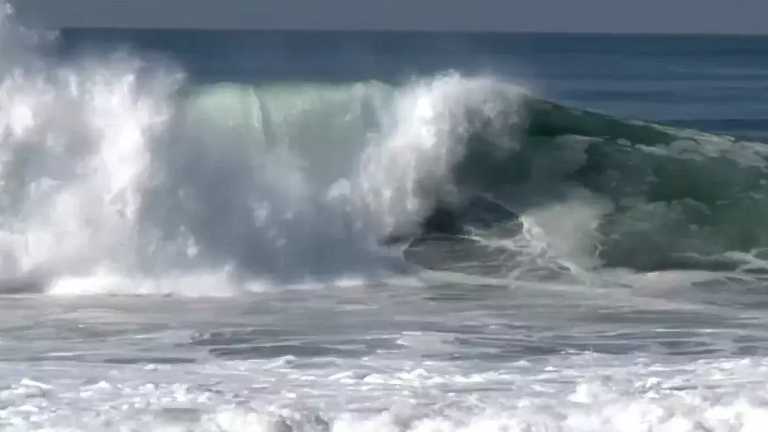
(117, 176)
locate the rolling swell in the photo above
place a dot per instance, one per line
(475, 176)
(671, 198)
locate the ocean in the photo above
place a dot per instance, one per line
(296, 231)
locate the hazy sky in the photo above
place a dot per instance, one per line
(697, 16)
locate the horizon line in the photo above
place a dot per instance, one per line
(576, 33)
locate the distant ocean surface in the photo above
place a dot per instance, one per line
(714, 82)
(382, 232)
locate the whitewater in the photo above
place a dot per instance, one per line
(381, 232)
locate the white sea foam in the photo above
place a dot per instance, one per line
(577, 395)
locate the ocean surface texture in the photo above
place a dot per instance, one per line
(382, 232)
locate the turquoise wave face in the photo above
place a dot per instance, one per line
(680, 197)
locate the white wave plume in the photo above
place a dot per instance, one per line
(75, 143)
